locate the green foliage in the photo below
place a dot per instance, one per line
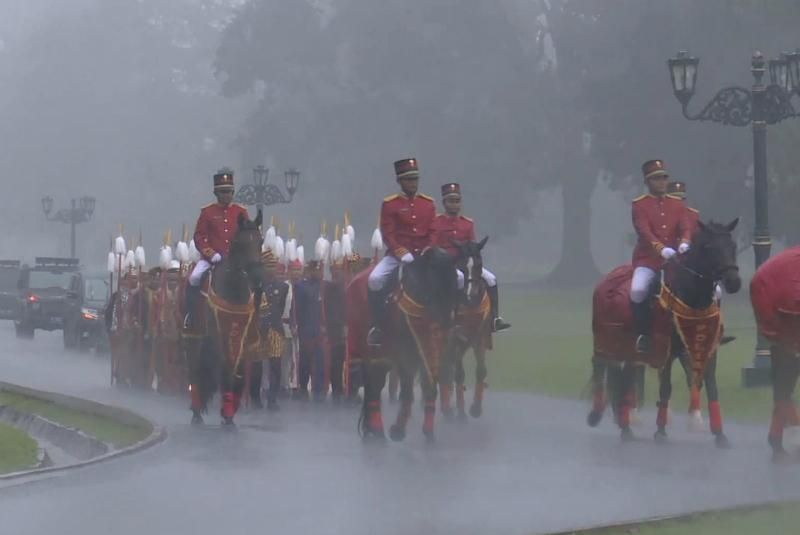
(17, 449)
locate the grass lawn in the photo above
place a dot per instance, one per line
(101, 427)
(17, 449)
(549, 348)
(775, 520)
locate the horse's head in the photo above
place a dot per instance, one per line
(245, 252)
(470, 263)
(714, 251)
(431, 280)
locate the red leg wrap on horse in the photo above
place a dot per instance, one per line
(694, 399)
(715, 416)
(430, 412)
(374, 417)
(197, 401)
(460, 397)
(228, 408)
(663, 411)
(444, 395)
(625, 410)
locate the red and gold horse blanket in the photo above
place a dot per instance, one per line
(775, 296)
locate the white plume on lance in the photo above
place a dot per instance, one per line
(141, 258)
(347, 246)
(112, 262)
(182, 252)
(377, 239)
(350, 231)
(321, 249)
(269, 239)
(194, 254)
(130, 260)
(301, 254)
(119, 245)
(280, 249)
(174, 264)
(336, 252)
(165, 256)
(291, 250)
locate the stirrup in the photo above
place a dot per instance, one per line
(643, 344)
(375, 337)
(187, 322)
(499, 324)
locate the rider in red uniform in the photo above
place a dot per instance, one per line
(664, 230)
(214, 232)
(405, 223)
(451, 227)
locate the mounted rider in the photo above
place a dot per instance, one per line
(664, 229)
(451, 227)
(214, 232)
(405, 222)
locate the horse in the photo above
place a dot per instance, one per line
(418, 316)
(474, 330)
(216, 350)
(686, 314)
(775, 297)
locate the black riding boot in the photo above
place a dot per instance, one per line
(642, 324)
(498, 324)
(192, 300)
(377, 307)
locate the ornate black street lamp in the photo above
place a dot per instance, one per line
(759, 106)
(261, 193)
(80, 212)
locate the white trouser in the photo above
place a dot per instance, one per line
(641, 283)
(382, 272)
(199, 270)
(487, 275)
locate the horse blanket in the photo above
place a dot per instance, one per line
(775, 296)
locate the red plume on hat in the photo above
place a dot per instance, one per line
(406, 168)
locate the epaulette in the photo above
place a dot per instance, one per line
(695, 210)
(671, 196)
(209, 205)
(467, 218)
(640, 197)
(426, 197)
(391, 197)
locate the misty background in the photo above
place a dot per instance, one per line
(543, 110)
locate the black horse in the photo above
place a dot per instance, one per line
(420, 315)
(233, 296)
(474, 318)
(710, 261)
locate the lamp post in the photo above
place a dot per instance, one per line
(758, 107)
(261, 193)
(80, 212)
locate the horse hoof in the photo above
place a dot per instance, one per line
(227, 423)
(626, 434)
(475, 410)
(660, 436)
(397, 433)
(448, 414)
(594, 417)
(197, 419)
(722, 441)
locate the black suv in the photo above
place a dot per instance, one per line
(84, 321)
(46, 291)
(9, 290)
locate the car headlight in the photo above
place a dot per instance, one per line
(89, 313)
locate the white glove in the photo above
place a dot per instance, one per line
(683, 247)
(407, 258)
(667, 253)
(217, 257)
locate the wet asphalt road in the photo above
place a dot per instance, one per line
(529, 465)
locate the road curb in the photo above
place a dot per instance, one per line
(157, 433)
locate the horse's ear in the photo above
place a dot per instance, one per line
(732, 225)
(482, 243)
(259, 219)
(240, 221)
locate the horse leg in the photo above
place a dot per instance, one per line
(446, 373)
(371, 421)
(193, 348)
(784, 372)
(460, 378)
(393, 384)
(481, 373)
(428, 385)
(714, 409)
(664, 395)
(397, 431)
(598, 381)
(627, 387)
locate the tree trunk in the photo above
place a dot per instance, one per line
(576, 266)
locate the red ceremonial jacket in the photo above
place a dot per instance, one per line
(216, 227)
(447, 229)
(659, 222)
(406, 222)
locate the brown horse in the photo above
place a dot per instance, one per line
(419, 314)
(216, 349)
(474, 330)
(685, 313)
(775, 296)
